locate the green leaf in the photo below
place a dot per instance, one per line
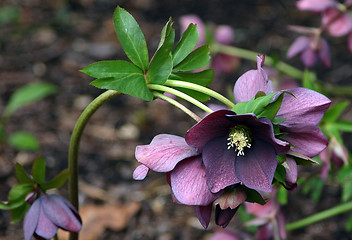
(203, 78)
(19, 212)
(21, 174)
(280, 173)
(186, 44)
(315, 187)
(253, 196)
(282, 195)
(161, 64)
(272, 108)
(302, 159)
(18, 195)
(23, 141)
(334, 112)
(38, 170)
(345, 126)
(346, 191)
(28, 94)
(57, 181)
(310, 81)
(195, 60)
(349, 224)
(120, 76)
(9, 14)
(131, 38)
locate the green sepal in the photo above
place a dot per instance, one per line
(17, 196)
(24, 141)
(302, 159)
(131, 38)
(28, 94)
(335, 111)
(203, 78)
(19, 212)
(120, 76)
(161, 64)
(195, 60)
(57, 181)
(253, 196)
(186, 44)
(21, 174)
(38, 170)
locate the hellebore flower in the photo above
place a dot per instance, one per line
(183, 165)
(302, 112)
(47, 214)
(237, 149)
(310, 49)
(337, 23)
(315, 5)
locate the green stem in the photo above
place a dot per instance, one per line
(180, 95)
(196, 87)
(320, 216)
(177, 104)
(75, 143)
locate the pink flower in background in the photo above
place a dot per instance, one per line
(350, 42)
(310, 50)
(223, 34)
(315, 5)
(227, 234)
(337, 23)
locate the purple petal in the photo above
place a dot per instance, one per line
(291, 173)
(257, 167)
(224, 34)
(281, 221)
(309, 57)
(298, 46)
(308, 107)
(223, 217)
(140, 172)
(45, 229)
(350, 42)
(164, 152)
(31, 219)
(212, 126)
(340, 26)
(324, 53)
(203, 214)
(315, 5)
(57, 210)
(220, 164)
(189, 185)
(306, 139)
(251, 82)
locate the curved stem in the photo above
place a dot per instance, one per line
(180, 95)
(178, 105)
(320, 216)
(75, 143)
(196, 87)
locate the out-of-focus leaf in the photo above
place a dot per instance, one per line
(21, 174)
(19, 212)
(282, 194)
(186, 44)
(349, 224)
(28, 94)
(131, 38)
(38, 170)
(195, 60)
(9, 14)
(310, 81)
(334, 112)
(57, 181)
(347, 191)
(24, 141)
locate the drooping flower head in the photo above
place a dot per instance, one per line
(47, 214)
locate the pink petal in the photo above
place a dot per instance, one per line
(225, 234)
(140, 172)
(59, 213)
(306, 139)
(337, 27)
(324, 53)
(224, 34)
(164, 152)
(298, 46)
(189, 185)
(315, 5)
(350, 42)
(306, 107)
(203, 214)
(257, 167)
(247, 86)
(259, 210)
(188, 19)
(220, 164)
(309, 57)
(31, 218)
(45, 229)
(291, 173)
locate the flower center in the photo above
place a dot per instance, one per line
(239, 138)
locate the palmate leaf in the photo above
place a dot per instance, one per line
(120, 76)
(131, 38)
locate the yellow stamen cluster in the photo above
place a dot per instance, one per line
(239, 138)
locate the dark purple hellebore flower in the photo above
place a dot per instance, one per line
(47, 214)
(183, 165)
(237, 149)
(302, 113)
